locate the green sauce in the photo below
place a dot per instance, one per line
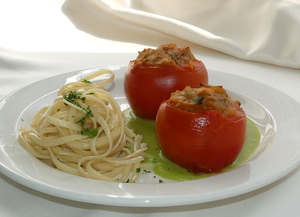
(167, 169)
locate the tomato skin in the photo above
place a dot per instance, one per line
(201, 142)
(147, 86)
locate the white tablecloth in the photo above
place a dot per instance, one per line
(40, 39)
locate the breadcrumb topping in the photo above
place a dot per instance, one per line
(166, 54)
(205, 98)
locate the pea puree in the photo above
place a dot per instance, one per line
(167, 169)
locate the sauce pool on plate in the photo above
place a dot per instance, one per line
(169, 170)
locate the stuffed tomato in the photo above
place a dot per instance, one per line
(201, 129)
(156, 73)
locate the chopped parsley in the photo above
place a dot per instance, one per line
(86, 81)
(146, 171)
(88, 112)
(86, 131)
(90, 132)
(81, 121)
(72, 97)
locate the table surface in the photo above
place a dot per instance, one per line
(40, 39)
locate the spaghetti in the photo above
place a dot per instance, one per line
(83, 133)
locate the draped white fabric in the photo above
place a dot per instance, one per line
(257, 30)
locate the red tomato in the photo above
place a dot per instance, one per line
(147, 86)
(205, 141)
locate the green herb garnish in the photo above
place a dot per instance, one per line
(86, 81)
(88, 112)
(90, 132)
(72, 96)
(81, 121)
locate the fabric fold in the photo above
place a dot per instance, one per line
(259, 30)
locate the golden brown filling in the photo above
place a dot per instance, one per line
(166, 54)
(205, 98)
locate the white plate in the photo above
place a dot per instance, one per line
(276, 114)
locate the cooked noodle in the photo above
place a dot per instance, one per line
(83, 133)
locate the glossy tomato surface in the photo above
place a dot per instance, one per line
(201, 142)
(147, 86)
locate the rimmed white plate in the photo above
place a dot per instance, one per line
(275, 113)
